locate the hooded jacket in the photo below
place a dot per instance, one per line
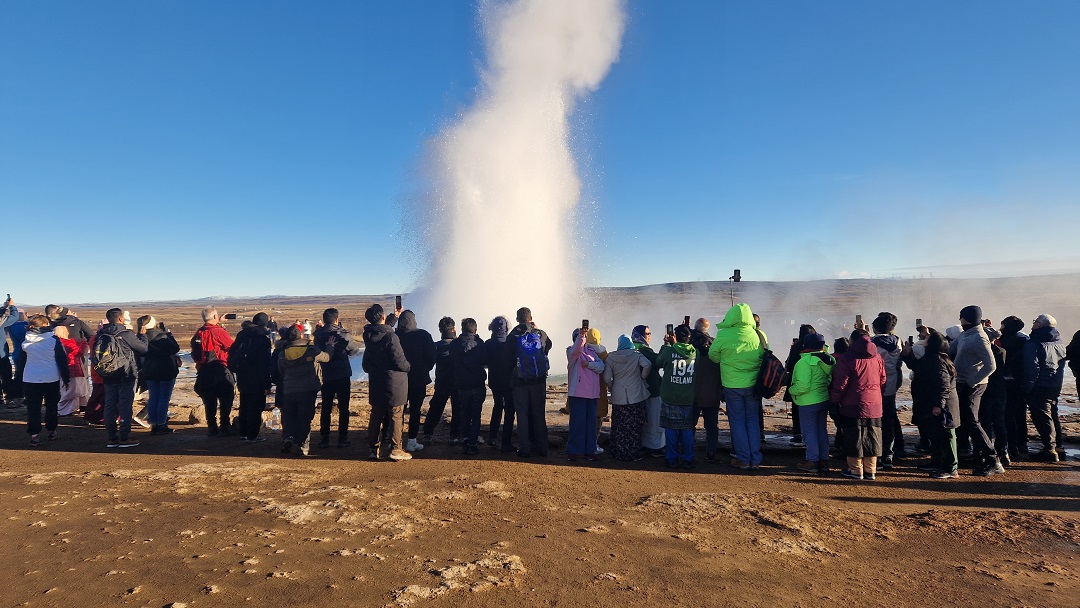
(857, 380)
(678, 362)
(888, 348)
(386, 367)
(934, 385)
(138, 345)
(811, 377)
(1072, 351)
(972, 357)
(706, 373)
(1044, 365)
(299, 364)
(1013, 343)
(338, 367)
(737, 348)
(160, 361)
(500, 366)
(468, 357)
(444, 367)
(419, 349)
(625, 371)
(46, 359)
(583, 369)
(77, 329)
(254, 374)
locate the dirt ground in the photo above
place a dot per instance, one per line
(186, 519)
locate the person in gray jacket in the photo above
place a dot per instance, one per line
(1044, 375)
(974, 363)
(625, 372)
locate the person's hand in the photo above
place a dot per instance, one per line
(398, 310)
(906, 350)
(936, 411)
(669, 339)
(330, 342)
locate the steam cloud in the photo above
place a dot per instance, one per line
(505, 182)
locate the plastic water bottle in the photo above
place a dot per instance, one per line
(275, 420)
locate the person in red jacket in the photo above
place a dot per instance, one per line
(214, 383)
(858, 378)
(72, 395)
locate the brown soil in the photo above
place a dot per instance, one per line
(187, 519)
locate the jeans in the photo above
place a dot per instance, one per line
(711, 416)
(435, 411)
(252, 405)
(1044, 414)
(742, 410)
(502, 414)
(36, 395)
(582, 437)
(157, 402)
(416, 396)
(892, 433)
(471, 402)
(530, 406)
(970, 403)
(679, 444)
(118, 401)
(331, 390)
(652, 436)
(812, 419)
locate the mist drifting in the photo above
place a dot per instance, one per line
(505, 184)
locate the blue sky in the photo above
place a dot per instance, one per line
(186, 149)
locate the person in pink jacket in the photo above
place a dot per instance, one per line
(857, 379)
(583, 370)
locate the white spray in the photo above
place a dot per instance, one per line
(501, 213)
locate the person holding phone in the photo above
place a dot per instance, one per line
(583, 370)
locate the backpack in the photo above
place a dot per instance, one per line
(770, 374)
(198, 355)
(241, 354)
(112, 355)
(532, 362)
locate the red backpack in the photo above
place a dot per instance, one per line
(770, 374)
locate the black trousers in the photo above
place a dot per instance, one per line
(1016, 429)
(218, 401)
(332, 390)
(892, 432)
(711, 417)
(502, 415)
(252, 405)
(417, 394)
(435, 411)
(970, 403)
(47, 394)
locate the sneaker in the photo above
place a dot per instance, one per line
(255, 439)
(1005, 460)
(324, 444)
(470, 450)
(400, 455)
(571, 458)
(112, 445)
(373, 454)
(738, 464)
(988, 470)
(455, 440)
(797, 442)
(34, 442)
(286, 446)
(808, 466)
(851, 474)
(869, 476)
(51, 436)
(128, 444)
(1046, 456)
(945, 474)
(428, 440)
(414, 446)
(599, 450)
(886, 464)
(688, 464)
(522, 454)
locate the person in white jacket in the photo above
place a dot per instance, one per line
(46, 366)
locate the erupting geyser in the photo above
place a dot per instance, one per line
(505, 182)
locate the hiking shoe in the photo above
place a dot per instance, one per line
(738, 464)
(400, 455)
(851, 474)
(128, 444)
(324, 444)
(1046, 456)
(808, 466)
(988, 470)
(945, 474)
(34, 442)
(51, 436)
(415, 446)
(373, 454)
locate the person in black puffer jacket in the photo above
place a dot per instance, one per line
(160, 367)
(1012, 339)
(388, 383)
(467, 354)
(707, 388)
(444, 385)
(336, 377)
(420, 351)
(934, 390)
(500, 371)
(250, 360)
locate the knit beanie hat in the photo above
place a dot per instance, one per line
(972, 314)
(813, 342)
(1012, 324)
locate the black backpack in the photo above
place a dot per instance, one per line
(242, 354)
(112, 355)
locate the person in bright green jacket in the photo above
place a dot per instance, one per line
(677, 418)
(810, 380)
(738, 349)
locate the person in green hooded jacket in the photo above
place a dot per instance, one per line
(738, 349)
(810, 380)
(677, 398)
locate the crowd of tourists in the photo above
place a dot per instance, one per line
(972, 385)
